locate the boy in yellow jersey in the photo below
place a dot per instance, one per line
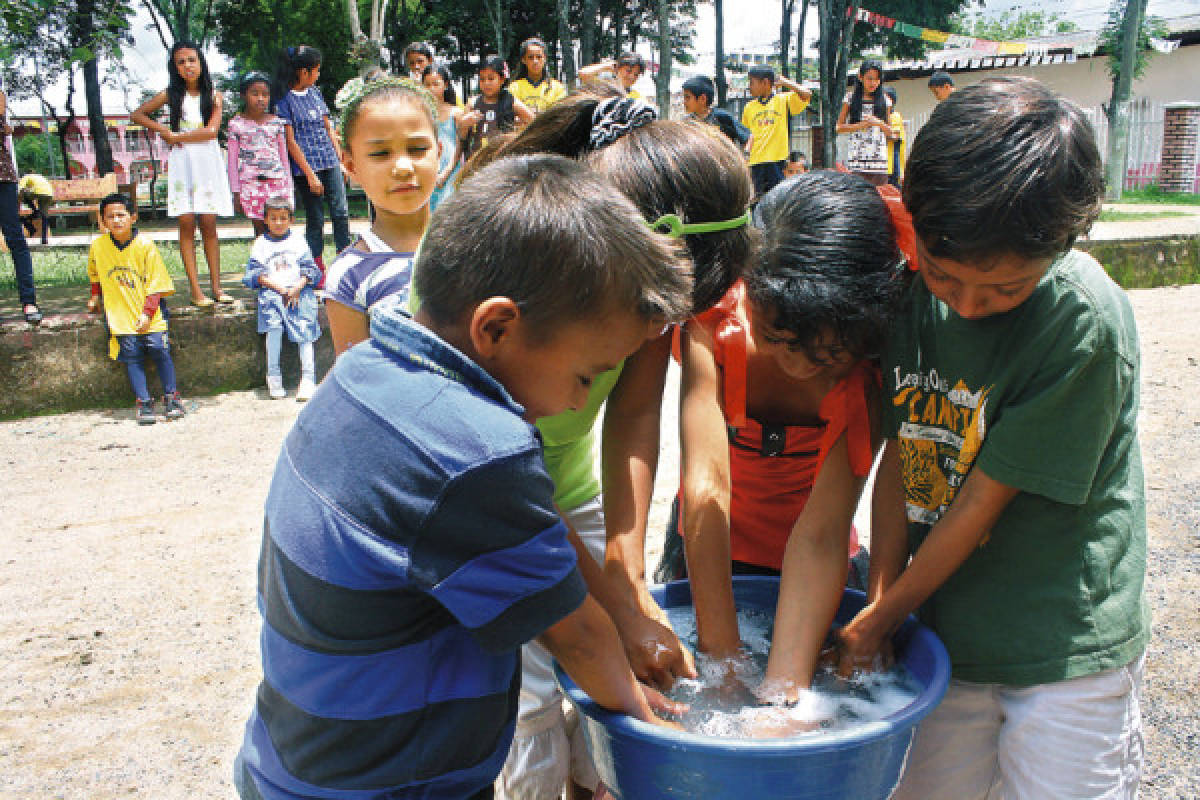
(126, 270)
(897, 143)
(533, 86)
(767, 118)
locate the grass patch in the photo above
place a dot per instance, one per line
(1137, 216)
(1153, 194)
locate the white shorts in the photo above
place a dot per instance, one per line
(549, 746)
(1078, 738)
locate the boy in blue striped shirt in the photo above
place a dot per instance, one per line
(411, 543)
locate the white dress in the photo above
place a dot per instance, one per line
(197, 182)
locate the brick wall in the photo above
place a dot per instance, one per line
(1181, 140)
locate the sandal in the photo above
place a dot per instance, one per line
(33, 314)
(203, 302)
(224, 299)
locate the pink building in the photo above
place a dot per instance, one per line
(131, 146)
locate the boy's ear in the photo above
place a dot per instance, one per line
(493, 325)
(348, 163)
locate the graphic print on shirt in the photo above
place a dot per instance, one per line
(941, 432)
(127, 277)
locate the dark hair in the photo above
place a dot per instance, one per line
(604, 256)
(630, 59)
(1004, 166)
(878, 103)
(448, 94)
(761, 72)
(277, 203)
(940, 78)
(796, 155)
(828, 264)
(700, 86)
(664, 167)
(522, 71)
(417, 47)
(497, 65)
(295, 59)
(118, 199)
(251, 78)
(177, 87)
(401, 88)
(891, 93)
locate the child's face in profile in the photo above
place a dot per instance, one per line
(490, 84)
(978, 289)
(278, 220)
(417, 62)
(307, 77)
(552, 374)
(628, 74)
(941, 92)
(760, 87)
(119, 221)
(394, 154)
(793, 360)
(695, 104)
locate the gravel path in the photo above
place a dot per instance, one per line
(127, 611)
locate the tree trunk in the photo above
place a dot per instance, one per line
(663, 79)
(587, 32)
(800, 40)
(837, 19)
(353, 21)
(498, 16)
(565, 47)
(785, 35)
(91, 86)
(1118, 106)
(719, 75)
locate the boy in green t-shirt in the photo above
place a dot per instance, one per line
(1012, 475)
(767, 118)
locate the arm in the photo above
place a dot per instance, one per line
(792, 86)
(814, 572)
(210, 128)
(281, 143)
(592, 72)
(347, 326)
(141, 116)
(950, 542)
(524, 115)
(889, 524)
(704, 458)
(333, 137)
(232, 148)
(256, 275)
(293, 147)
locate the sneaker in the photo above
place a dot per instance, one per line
(174, 406)
(144, 413)
(275, 387)
(304, 391)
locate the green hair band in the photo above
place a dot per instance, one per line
(676, 227)
(356, 90)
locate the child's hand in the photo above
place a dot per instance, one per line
(291, 295)
(143, 322)
(93, 305)
(171, 138)
(861, 647)
(314, 184)
(471, 118)
(660, 703)
(655, 653)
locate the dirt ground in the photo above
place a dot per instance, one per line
(127, 616)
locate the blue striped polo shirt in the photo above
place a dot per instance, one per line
(410, 546)
(306, 112)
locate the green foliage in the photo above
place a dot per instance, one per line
(33, 156)
(1110, 40)
(1007, 27)
(1153, 194)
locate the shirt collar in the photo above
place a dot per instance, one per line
(270, 238)
(393, 329)
(133, 234)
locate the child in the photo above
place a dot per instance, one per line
(495, 110)
(1012, 474)
(313, 147)
(283, 271)
(897, 142)
(941, 85)
(418, 57)
(797, 164)
(698, 94)
(626, 70)
(394, 607)
(865, 114)
(390, 146)
(533, 87)
(436, 81)
(665, 168)
(776, 438)
(258, 159)
(36, 192)
(126, 270)
(767, 118)
(197, 189)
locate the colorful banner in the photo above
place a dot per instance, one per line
(953, 40)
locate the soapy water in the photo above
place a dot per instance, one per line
(833, 704)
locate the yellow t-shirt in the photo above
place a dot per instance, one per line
(897, 123)
(35, 184)
(540, 97)
(127, 276)
(768, 122)
(633, 94)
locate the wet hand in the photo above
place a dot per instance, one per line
(655, 652)
(660, 703)
(860, 646)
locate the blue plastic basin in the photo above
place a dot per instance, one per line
(638, 761)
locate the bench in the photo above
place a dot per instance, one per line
(82, 196)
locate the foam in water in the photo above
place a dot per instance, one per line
(832, 705)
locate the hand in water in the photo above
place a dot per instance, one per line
(859, 647)
(661, 704)
(655, 652)
(776, 722)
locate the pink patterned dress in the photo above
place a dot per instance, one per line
(258, 163)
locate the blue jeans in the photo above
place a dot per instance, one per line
(14, 237)
(314, 212)
(134, 349)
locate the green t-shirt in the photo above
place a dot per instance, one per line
(1043, 398)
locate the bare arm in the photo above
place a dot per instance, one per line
(142, 116)
(333, 137)
(889, 524)
(791, 85)
(347, 326)
(524, 115)
(592, 72)
(297, 154)
(814, 572)
(210, 128)
(704, 458)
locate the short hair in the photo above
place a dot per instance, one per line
(762, 72)
(118, 199)
(1004, 166)
(941, 78)
(828, 264)
(594, 251)
(796, 155)
(630, 59)
(700, 86)
(417, 47)
(277, 203)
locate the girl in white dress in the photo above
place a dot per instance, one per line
(197, 185)
(865, 115)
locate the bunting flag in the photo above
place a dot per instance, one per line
(955, 40)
